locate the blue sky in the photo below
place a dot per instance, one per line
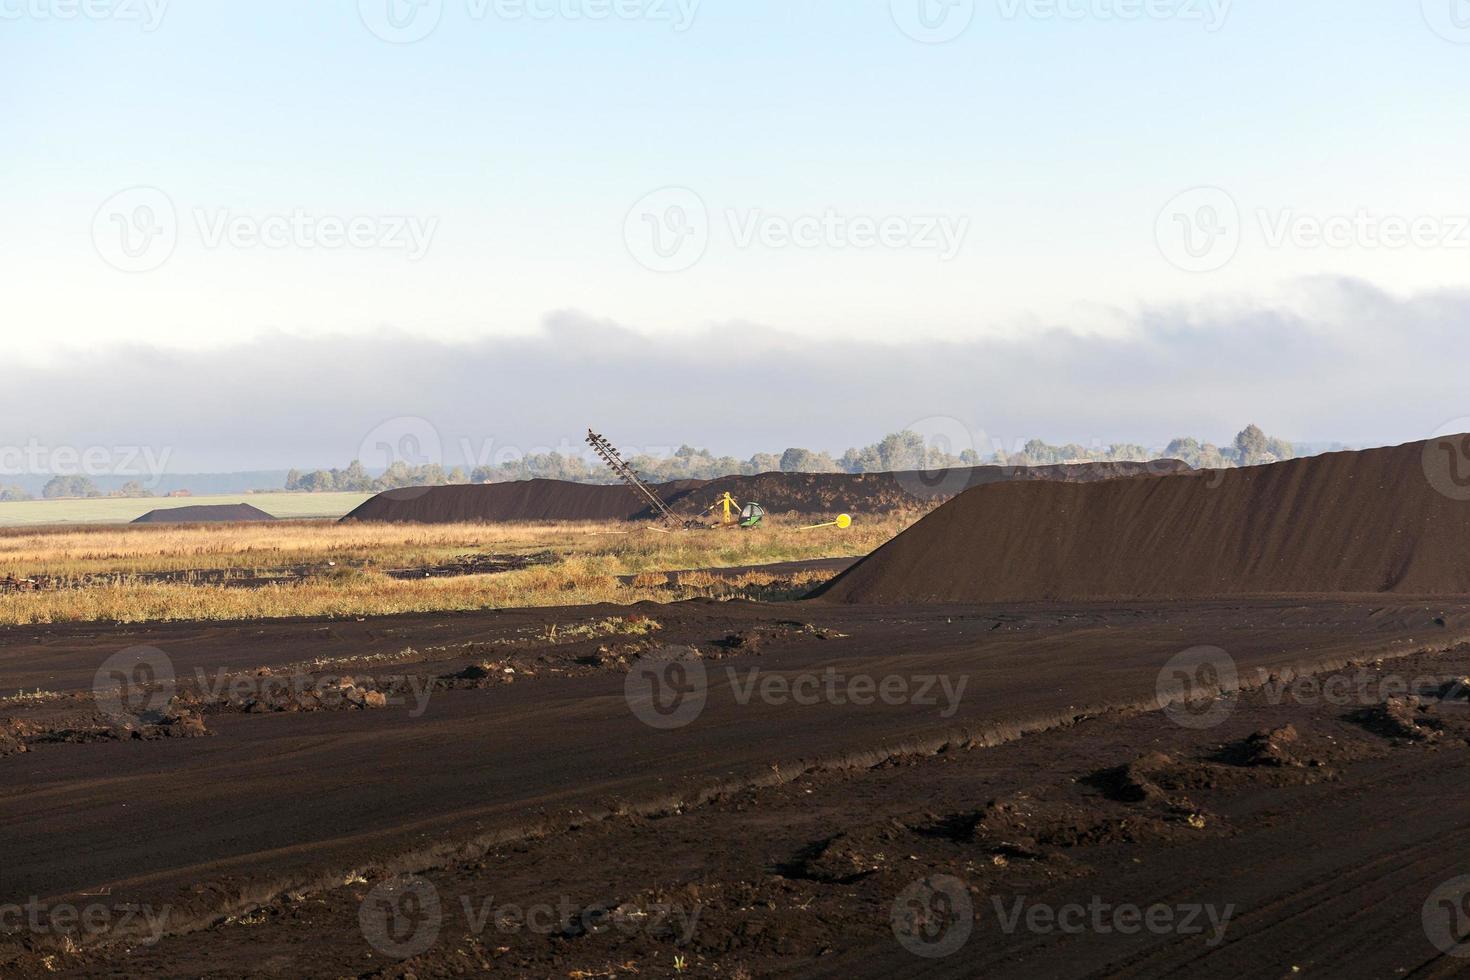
(521, 148)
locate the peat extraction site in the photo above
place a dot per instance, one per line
(693, 490)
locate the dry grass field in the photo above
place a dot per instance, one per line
(253, 571)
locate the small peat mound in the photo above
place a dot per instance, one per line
(205, 514)
(1354, 522)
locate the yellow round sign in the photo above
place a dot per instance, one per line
(844, 520)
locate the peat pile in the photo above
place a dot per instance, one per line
(205, 514)
(1358, 522)
(879, 493)
(524, 500)
(808, 494)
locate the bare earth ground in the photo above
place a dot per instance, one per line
(546, 830)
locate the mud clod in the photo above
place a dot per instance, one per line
(850, 856)
(1398, 718)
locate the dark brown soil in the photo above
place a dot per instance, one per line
(1359, 522)
(822, 566)
(205, 514)
(479, 564)
(1253, 843)
(812, 494)
(523, 778)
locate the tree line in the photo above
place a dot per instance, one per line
(73, 487)
(905, 450)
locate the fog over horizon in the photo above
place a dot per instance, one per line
(1342, 363)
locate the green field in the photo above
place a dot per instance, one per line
(121, 510)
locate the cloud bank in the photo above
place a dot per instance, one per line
(1343, 361)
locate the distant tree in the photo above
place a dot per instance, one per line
(765, 463)
(59, 487)
(14, 493)
(398, 474)
(1074, 453)
(318, 481)
(865, 460)
(806, 461)
(1281, 449)
(1128, 452)
(1186, 449)
(572, 468)
(1038, 453)
(795, 460)
(1210, 458)
(355, 477)
(131, 489)
(1251, 446)
(903, 451)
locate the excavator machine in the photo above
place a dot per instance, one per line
(733, 514)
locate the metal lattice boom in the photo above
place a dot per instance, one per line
(609, 455)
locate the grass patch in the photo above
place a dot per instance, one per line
(27, 698)
(612, 626)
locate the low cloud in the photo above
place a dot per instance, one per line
(1341, 361)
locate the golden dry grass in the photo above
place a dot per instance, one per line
(374, 595)
(591, 561)
(143, 548)
(250, 547)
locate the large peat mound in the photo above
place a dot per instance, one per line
(1356, 522)
(807, 494)
(524, 500)
(204, 514)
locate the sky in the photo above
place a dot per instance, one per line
(253, 234)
